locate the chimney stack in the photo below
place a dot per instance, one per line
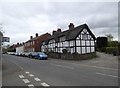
(36, 34)
(71, 26)
(31, 37)
(53, 32)
(18, 43)
(58, 30)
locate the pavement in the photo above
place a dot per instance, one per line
(102, 60)
(102, 71)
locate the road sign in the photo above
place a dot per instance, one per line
(5, 39)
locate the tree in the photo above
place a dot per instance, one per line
(109, 37)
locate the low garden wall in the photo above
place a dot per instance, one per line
(74, 56)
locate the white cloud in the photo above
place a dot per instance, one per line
(23, 19)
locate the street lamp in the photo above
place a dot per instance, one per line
(1, 35)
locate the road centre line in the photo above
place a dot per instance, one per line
(37, 79)
(62, 66)
(98, 67)
(31, 75)
(26, 80)
(27, 72)
(21, 76)
(107, 75)
(88, 65)
(45, 84)
(30, 85)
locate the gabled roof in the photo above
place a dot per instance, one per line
(35, 38)
(71, 34)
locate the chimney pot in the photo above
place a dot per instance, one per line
(53, 32)
(58, 30)
(71, 26)
(31, 37)
(36, 34)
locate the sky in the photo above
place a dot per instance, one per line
(21, 18)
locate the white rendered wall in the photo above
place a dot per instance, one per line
(20, 49)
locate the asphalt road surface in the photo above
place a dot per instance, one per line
(22, 71)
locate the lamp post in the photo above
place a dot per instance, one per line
(1, 35)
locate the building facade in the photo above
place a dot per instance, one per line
(34, 44)
(20, 48)
(78, 39)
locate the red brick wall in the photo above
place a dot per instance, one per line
(37, 42)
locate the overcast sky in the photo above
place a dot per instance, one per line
(23, 19)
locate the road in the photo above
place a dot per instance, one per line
(22, 71)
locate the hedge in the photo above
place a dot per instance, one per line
(111, 50)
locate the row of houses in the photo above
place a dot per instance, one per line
(78, 39)
(33, 44)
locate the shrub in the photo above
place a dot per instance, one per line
(92, 55)
(103, 49)
(64, 50)
(113, 44)
(111, 50)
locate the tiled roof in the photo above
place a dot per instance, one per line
(35, 38)
(71, 34)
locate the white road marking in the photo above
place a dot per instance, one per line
(27, 72)
(45, 84)
(107, 75)
(88, 65)
(37, 79)
(26, 80)
(31, 85)
(94, 61)
(98, 67)
(21, 76)
(62, 66)
(31, 75)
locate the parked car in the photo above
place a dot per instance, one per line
(16, 54)
(32, 55)
(26, 54)
(41, 56)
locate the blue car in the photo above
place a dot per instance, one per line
(41, 56)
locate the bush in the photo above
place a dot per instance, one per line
(111, 50)
(103, 49)
(113, 44)
(64, 51)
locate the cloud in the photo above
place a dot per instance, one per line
(23, 19)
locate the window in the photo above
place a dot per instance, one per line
(62, 38)
(88, 49)
(83, 50)
(79, 50)
(71, 43)
(92, 49)
(78, 42)
(87, 43)
(92, 43)
(83, 43)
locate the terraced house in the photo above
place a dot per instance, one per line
(34, 44)
(78, 39)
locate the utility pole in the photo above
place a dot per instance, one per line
(1, 36)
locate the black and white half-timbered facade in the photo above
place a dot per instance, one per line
(78, 39)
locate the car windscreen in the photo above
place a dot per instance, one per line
(41, 53)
